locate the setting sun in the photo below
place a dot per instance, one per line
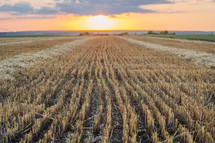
(100, 22)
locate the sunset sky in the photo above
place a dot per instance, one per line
(34, 15)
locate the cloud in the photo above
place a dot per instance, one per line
(29, 17)
(18, 8)
(83, 7)
(47, 11)
(183, 6)
(25, 8)
(94, 7)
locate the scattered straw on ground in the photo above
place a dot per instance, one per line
(17, 41)
(200, 46)
(199, 58)
(8, 66)
(9, 51)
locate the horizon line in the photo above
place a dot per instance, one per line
(102, 30)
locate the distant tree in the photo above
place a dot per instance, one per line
(164, 32)
(85, 34)
(150, 32)
(122, 34)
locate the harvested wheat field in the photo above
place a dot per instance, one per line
(109, 89)
(199, 46)
(11, 49)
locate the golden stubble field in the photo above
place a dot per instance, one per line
(109, 90)
(10, 48)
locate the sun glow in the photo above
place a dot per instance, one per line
(100, 22)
